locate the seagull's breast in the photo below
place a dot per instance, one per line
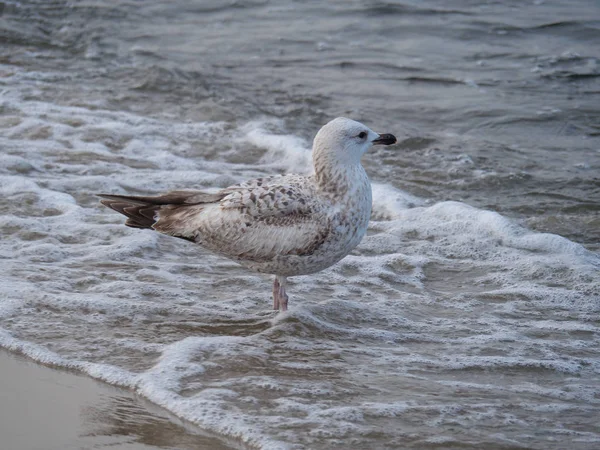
(285, 226)
(348, 216)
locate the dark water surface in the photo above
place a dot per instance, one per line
(468, 318)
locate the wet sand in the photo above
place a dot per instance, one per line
(47, 409)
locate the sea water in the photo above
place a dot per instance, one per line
(467, 317)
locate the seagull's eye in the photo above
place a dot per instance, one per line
(362, 135)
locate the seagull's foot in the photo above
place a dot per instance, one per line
(283, 299)
(280, 298)
(276, 288)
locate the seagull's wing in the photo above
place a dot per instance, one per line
(258, 220)
(141, 211)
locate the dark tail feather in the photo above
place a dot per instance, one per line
(138, 215)
(141, 211)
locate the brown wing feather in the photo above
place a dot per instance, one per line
(138, 216)
(170, 198)
(141, 211)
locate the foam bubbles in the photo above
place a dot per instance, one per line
(282, 150)
(388, 202)
(439, 302)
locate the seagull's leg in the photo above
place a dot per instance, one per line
(276, 288)
(283, 298)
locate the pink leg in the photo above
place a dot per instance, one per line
(280, 298)
(283, 297)
(276, 288)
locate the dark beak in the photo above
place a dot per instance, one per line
(385, 139)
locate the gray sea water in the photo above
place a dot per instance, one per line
(467, 318)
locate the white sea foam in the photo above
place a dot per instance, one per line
(440, 302)
(283, 151)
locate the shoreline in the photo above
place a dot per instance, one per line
(46, 408)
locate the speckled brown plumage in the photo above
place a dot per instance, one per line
(283, 225)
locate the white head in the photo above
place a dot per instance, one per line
(343, 142)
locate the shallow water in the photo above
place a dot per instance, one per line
(467, 318)
(45, 408)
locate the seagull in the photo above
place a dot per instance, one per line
(283, 225)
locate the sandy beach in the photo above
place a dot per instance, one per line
(46, 409)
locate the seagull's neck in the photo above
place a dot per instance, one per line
(338, 171)
(341, 180)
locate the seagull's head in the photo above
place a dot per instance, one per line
(344, 141)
